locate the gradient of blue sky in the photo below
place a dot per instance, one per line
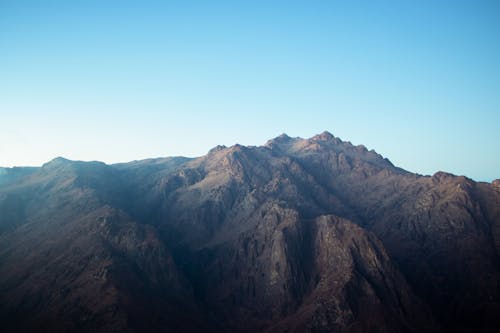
(418, 81)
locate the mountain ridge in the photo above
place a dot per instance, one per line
(296, 235)
(282, 138)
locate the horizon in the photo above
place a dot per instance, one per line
(118, 81)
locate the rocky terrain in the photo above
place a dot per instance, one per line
(297, 235)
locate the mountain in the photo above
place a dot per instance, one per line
(297, 235)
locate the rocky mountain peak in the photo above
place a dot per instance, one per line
(280, 140)
(237, 147)
(283, 137)
(57, 162)
(217, 149)
(325, 136)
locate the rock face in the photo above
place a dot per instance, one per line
(298, 235)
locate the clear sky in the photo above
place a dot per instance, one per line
(418, 81)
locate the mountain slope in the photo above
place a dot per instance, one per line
(76, 263)
(298, 235)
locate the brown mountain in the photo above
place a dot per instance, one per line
(298, 235)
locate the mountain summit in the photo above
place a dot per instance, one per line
(298, 235)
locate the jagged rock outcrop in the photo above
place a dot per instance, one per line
(293, 275)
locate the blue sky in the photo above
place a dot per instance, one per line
(418, 81)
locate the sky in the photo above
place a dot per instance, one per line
(115, 81)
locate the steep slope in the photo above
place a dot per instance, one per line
(76, 263)
(292, 275)
(298, 235)
(441, 230)
(216, 200)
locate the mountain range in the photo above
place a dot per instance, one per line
(297, 235)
